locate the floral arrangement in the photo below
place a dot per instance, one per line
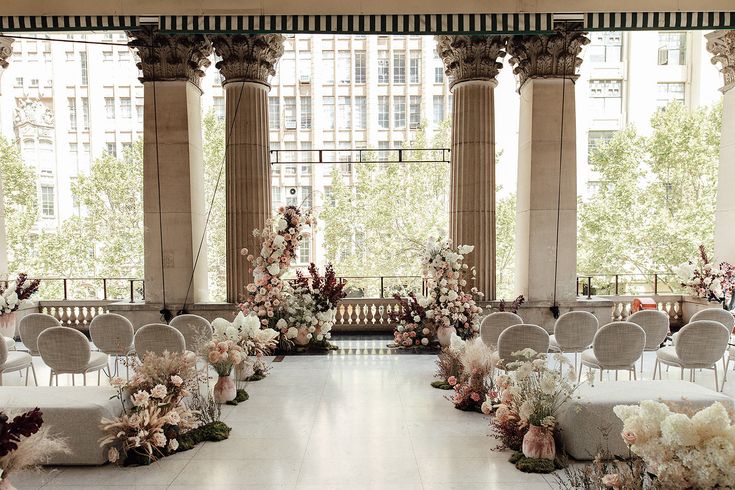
(474, 382)
(281, 238)
(682, 451)
(607, 472)
(17, 293)
(247, 332)
(312, 304)
(450, 305)
(223, 354)
(154, 416)
(706, 279)
(412, 328)
(24, 443)
(513, 306)
(449, 364)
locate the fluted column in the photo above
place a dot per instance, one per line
(247, 61)
(546, 226)
(173, 171)
(722, 46)
(6, 49)
(472, 63)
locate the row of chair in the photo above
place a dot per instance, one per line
(67, 351)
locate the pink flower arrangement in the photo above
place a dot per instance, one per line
(223, 354)
(412, 328)
(706, 279)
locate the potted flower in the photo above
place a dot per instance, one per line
(12, 297)
(223, 354)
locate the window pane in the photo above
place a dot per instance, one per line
(360, 112)
(360, 67)
(399, 67)
(274, 113)
(306, 112)
(328, 107)
(415, 67)
(383, 116)
(383, 67)
(399, 111)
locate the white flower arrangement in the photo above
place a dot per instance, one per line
(707, 279)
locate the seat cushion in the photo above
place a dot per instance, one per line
(553, 344)
(17, 360)
(97, 360)
(9, 343)
(667, 355)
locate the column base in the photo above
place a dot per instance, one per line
(144, 313)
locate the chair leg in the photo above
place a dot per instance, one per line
(51, 379)
(724, 374)
(682, 373)
(99, 378)
(579, 375)
(630, 376)
(635, 377)
(717, 384)
(601, 370)
(616, 375)
(27, 369)
(33, 370)
(72, 380)
(694, 375)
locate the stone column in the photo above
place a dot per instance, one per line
(472, 63)
(722, 46)
(546, 226)
(6, 49)
(247, 61)
(173, 171)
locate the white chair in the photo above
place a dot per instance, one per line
(573, 333)
(66, 351)
(518, 337)
(194, 328)
(113, 335)
(494, 324)
(158, 338)
(30, 327)
(700, 345)
(656, 325)
(617, 346)
(14, 361)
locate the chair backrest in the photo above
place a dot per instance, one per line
(31, 326)
(656, 325)
(717, 315)
(64, 349)
(3, 353)
(519, 337)
(493, 324)
(575, 330)
(619, 344)
(157, 338)
(112, 333)
(702, 343)
(194, 328)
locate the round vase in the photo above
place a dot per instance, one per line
(225, 390)
(6, 485)
(444, 335)
(539, 443)
(302, 339)
(7, 329)
(244, 370)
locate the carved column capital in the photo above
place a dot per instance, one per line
(547, 55)
(165, 57)
(6, 49)
(471, 57)
(722, 46)
(248, 57)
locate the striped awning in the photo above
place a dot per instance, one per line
(517, 23)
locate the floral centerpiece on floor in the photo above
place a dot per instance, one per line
(412, 328)
(264, 297)
(449, 364)
(708, 280)
(256, 342)
(474, 382)
(451, 308)
(682, 451)
(224, 353)
(24, 443)
(154, 415)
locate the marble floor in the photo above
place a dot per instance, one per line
(334, 421)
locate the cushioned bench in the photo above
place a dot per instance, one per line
(71, 412)
(588, 425)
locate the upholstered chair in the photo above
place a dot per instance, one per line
(14, 361)
(518, 337)
(158, 338)
(493, 324)
(66, 351)
(617, 346)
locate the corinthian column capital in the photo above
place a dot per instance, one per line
(248, 57)
(547, 55)
(722, 46)
(471, 57)
(6, 49)
(165, 57)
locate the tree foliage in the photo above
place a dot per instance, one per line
(214, 151)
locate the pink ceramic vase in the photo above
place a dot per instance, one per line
(444, 335)
(7, 329)
(539, 443)
(225, 390)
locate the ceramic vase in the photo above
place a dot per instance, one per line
(225, 390)
(539, 443)
(7, 329)
(444, 335)
(301, 339)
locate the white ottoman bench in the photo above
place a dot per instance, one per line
(588, 425)
(71, 412)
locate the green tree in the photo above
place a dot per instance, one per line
(505, 240)
(214, 150)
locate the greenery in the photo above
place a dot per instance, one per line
(241, 396)
(534, 465)
(441, 385)
(212, 432)
(214, 151)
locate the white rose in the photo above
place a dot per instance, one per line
(281, 323)
(465, 249)
(452, 295)
(292, 333)
(416, 318)
(281, 224)
(274, 269)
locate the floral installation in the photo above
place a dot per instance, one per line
(154, 416)
(412, 329)
(513, 306)
(607, 472)
(477, 365)
(707, 280)
(24, 443)
(682, 451)
(316, 297)
(264, 297)
(247, 332)
(449, 364)
(450, 304)
(223, 354)
(17, 293)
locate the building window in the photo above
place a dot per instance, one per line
(606, 47)
(596, 138)
(329, 196)
(47, 201)
(438, 109)
(83, 66)
(112, 149)
(383, 67)
(306, 112)
(85, 152)
(289, 112)
(274, 113)
(219, 107)
(125, 107)
(344, 67)
(274, 156)
(360, 67)
(304, 66)
(438, 69)
(110, 107)
(328, 107)
(668, 92)
(360, 112)
(289, 155)
(287, 68)
(606, 96)
(383, 112)
(276, 197)
(18, 82)
(414, 68)
(672, 48)
(399, 111)
(106, 55)
(345, 113)
(414, 111)
(305, 251)
(306, 196)
(305, 157)
(399, 67)
(85, 113)
(328, 58)
(74, 151)
(71, 103)
(139, 110)
(383, 147)
(123, 56)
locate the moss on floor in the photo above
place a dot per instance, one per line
(242, 396)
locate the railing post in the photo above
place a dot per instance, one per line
(589, 287)
(381, 287)
(617, 281)
(132, 290)
(104, 288)
(577, 286)
(655, 284)
(66, 292)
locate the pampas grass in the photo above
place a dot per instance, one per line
(32, 452)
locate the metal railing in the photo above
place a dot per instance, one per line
(382, 287)
(627, 284)
(90, 288)
(360, 155)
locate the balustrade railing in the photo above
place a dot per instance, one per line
(74, 313)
